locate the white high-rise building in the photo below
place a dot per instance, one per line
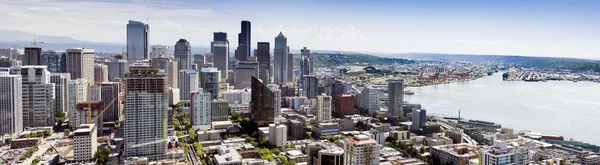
(145, 113)
(61, 90)
(360, 150)
(201, 108)
(80, 63)
(11, 104)
(160, 51)
(137, 41)
(100, 72)
(78, 90)
(369, 100)
(280, 55)
(278, 134)
(277, 99)
(221, 57)
(85, 142)
(500, 153)
(38, 97)
(188, 83)
(238, 96)
(172, 74)
(323, 108)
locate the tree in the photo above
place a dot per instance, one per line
(263, 142)
(178, 133)
(266, 154)
(67, 132)
(275, 151)
(46, 133)
(175, 123)
(199, 148)
(7, 140)
(35, 161)
(422, 150)
(102, 156)
(186, 123)
(117, 122)
(193, 135)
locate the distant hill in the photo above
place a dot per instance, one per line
(337, 59)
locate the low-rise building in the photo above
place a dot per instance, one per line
(25, 142)
(85, 142)
(278, 134)
(227, 156)
(296, 129)
(501, 154)
(326, 129)
(324, 153)
(458, 154)
(360, 150)
(296, 156)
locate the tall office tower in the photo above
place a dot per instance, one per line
(61, 91)
(32, 56)
(168, 66)
(183, 54)
(95, 93)
(264, 61)
(137, 41)
(85, 142)
(280, 54)
(56, 60)
(209, 81)
(160, 51)
(80, 63)
(306, 53)
(220, 50)
(395, 97)
(243, 73)
(9, 52)
(11, 106)
(200, 108)
(244, 42)
(117, 67)
(369, 100)
(100, 73)
(360, 150)
(337, 87)
(278, 134)
(290, 67)
(188, 83)
(277, 99)
(311, 86)
(220, 36)
(220, 110)
(323, 108)
(4, 62)
(324, 153)
(78, 90)
(38, 97)
(262, 103)
(145, 112)
(110, 91)
(419, 118)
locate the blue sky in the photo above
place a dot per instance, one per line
(565, 28)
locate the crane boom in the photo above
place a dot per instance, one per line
(102, 112)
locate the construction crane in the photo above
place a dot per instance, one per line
(89, 110)
(448, 74)
(35, 42)
(419, 78)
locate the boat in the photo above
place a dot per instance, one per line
(409, 92)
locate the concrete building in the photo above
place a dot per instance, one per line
(220, 110)
(10, 53)
(11, 104)
(264, 61)
(85, 142)
(395, 97)
(324, 153)
(226, 155)
(4, 62)
(110, 91)
(419, 118)
(295, 129)
(344, 104)
(78, 90)
(32, 56)
(458, 154)
(238, 96)
(173, 96)
(117, 68)
(323, 129)
(160, 51)
(360, 150)
(220, 49)
(369, 100)
(278, 135)
(188, 82)
(56, 60)
(280, 54)
(290, 67)
(243, 73)
(262, 103)
(484, 125)
(323, 108)
(82, 115)
(242, 51)
(38, 96)
(201, 110)
(209, 81)
(501, 153)
(277, 99)
(80, 63)
(183, 55)
(307, 62)
(145, 112)
(311, 86)
(61, 91)
(137, 41)
(100, 73)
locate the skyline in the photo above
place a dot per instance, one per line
(552, 28)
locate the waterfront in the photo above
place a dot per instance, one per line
(570, 109)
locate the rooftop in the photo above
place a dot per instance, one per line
(361, 139)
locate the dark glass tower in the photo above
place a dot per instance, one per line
(244, 41)
(264, 60)
(262, 103)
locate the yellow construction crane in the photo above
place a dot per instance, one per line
(89, 110)
(35, 42)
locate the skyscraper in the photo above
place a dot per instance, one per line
(419, 117)
(262, 103)
(243, 73)
(110, 91)
(80, 63)
(369, 100)
(160, 51)
(32, 56)
(11, 105)
(56, 61)
(220, 110)
(188, 83)
(183, 55)
(61, 91)
(311, 86)
(278, 134)
(38, 97)
(200, 110)
(145, 112)
(280, 54)
(360, 150)
(137, 41)
(78, 90)
(220, 36)
(264, 60)
(395, 97)
(209, 81)
(323, 108)
(220, 51)
(290, 67)
(244, 42)
(117, 68)
(277, 99)
(100, 73)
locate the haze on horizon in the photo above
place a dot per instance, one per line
(556, 28)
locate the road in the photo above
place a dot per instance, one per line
(465, 137)
(43, 147)
(191, 156)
